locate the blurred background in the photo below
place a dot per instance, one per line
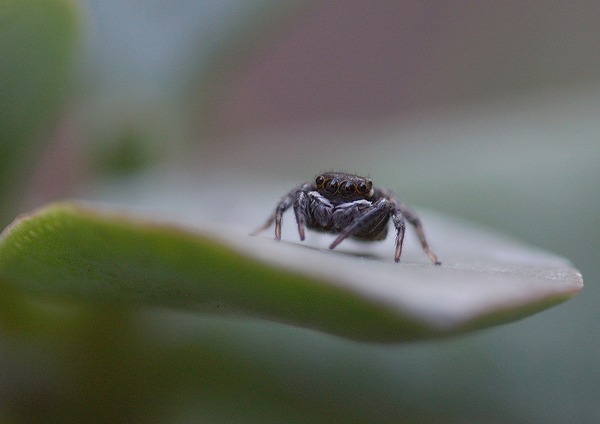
(486, 111)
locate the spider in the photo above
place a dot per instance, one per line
(350, 206)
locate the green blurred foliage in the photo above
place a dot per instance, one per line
(38, 41)
(128, 152)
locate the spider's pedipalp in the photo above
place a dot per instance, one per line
(369, 225)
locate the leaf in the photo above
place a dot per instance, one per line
(83, 253)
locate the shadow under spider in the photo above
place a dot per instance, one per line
(338, 251)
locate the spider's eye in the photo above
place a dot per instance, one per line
(347, 188)
(320, 180)
(363, 188)
(331, 186)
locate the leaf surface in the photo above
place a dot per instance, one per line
(83, 252)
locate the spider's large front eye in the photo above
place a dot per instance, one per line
(365, 186)
(347, 189)
(319, 181)
(331, 186)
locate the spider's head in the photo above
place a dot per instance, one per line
(344, 187)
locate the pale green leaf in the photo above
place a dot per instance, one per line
(84, 253)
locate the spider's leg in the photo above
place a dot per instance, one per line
(398, 220)
(380, 207)
(301, 205)
(414, 220)
(282, 206)
(263, 227)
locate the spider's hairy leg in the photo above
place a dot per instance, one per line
(263, 227)
(398, 220)
(381, 207)
(301, 205)
(416, 222)
(282, 206)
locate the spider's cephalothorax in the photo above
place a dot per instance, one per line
(348, 205)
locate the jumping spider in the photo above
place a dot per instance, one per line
(348, 204)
